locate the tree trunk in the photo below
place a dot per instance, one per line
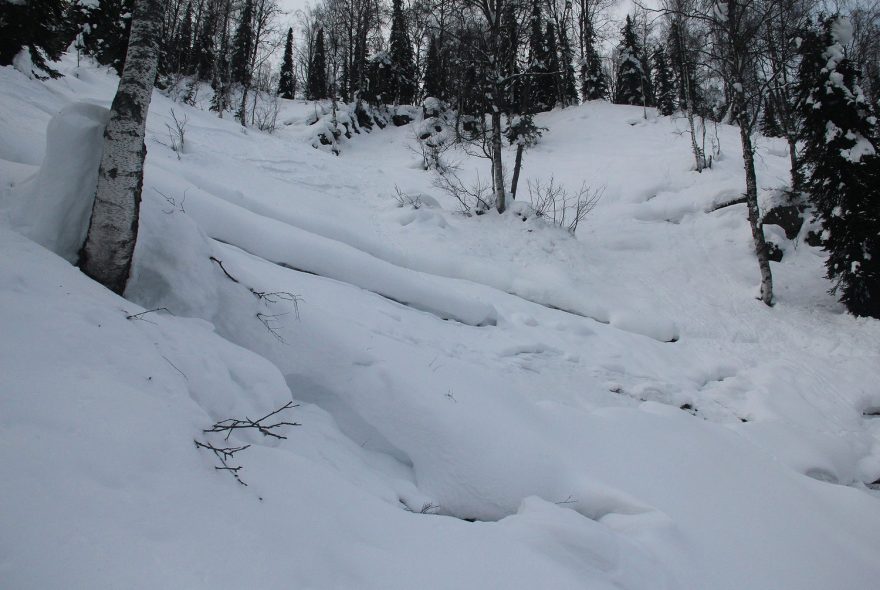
(699, 156)
(797, 180)
(497, 170)
(242, 110)
(517, 165)
(755, 215)
(107, 253)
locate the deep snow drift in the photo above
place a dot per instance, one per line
(484, 402)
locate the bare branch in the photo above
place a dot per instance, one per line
(140, 316)
(223, 268)
(223, 455)
(232, 424)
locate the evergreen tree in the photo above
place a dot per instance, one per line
(594, 84)
(435, 78)
(243, 46)
(184, 42)
(203, 52)
(242, 54)
(811, 46)
(317, 75)
(569, 92)
(543, 95)
(287, 81)
(379, 87)
(402, 84)
(840, 154)
(523, 133)
(554, 72)
(664, 86)
(104, 29)
(647, 79)
(630, 87)
(37, 25)
(769, 122)
(345, 84)
(513, 94)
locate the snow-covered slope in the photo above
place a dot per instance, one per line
(483, 402)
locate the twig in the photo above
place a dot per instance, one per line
(173, 202)
(427, 508)
(275, 296)
(139, 316)
(268, 320)
(223, 454)
(175, 367)
(223, 268)
(231, 424)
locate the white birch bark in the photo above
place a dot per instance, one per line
(107, 253)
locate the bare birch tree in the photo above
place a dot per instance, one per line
(738, 25)
(107, 253)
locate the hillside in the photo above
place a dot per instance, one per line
(482, 401)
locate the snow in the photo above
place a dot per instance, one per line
(54, 207)
(862, 147)
(842, 34)
(612, 409)
(842, 30)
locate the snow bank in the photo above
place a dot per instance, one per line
(54, 208)
(301, 250)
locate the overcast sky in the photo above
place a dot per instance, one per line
(291, 6)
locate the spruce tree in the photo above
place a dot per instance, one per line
(554, 72)
(203, 52)
(647, 79)
(402, 85)
(317, 76)
(286, 80)
(594, 84)
(185, 42)
(569, 92)
(243, 45)
(769, 121)
(104, 29)
(663, 82)
(630, 87)
(542, 83)
(379, 87)
(843, 165)
(435, 79)
(37, 25)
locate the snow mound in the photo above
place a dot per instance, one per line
(54, 208)
(301, 250)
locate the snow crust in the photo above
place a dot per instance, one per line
(612, 409)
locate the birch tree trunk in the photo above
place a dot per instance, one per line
(107, 253)
(497, 169)
(755, 215)
(738, 24)
(699, 156)
(740, 37)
